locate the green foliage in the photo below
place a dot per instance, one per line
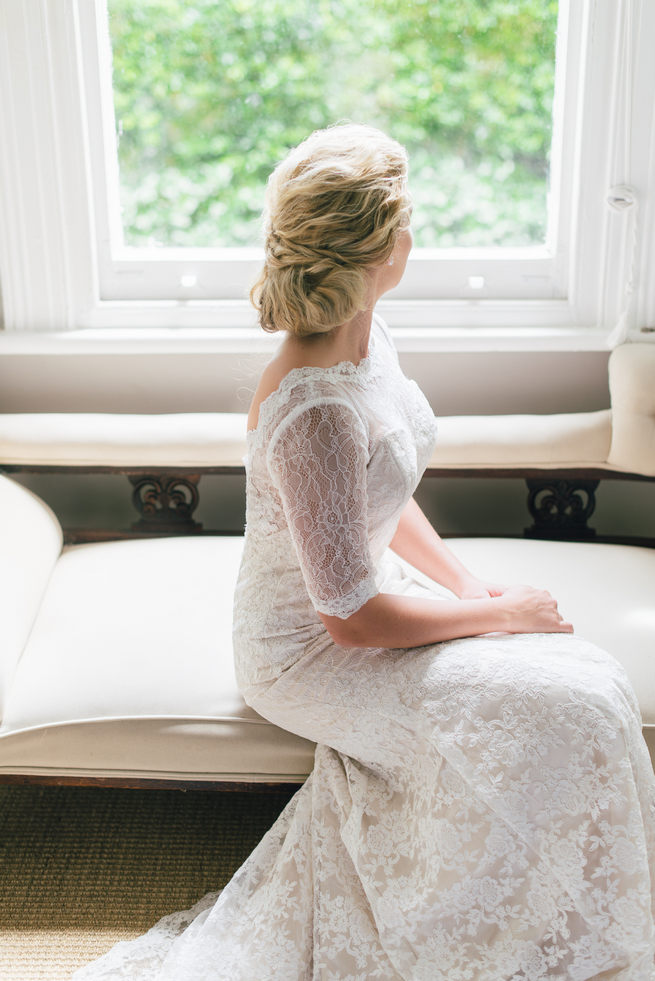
(210, 94)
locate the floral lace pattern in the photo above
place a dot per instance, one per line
(318, 460)
(479, 810)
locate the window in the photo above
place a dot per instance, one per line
(206, 96)
(578, 262)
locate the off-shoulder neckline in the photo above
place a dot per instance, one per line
(340, 369)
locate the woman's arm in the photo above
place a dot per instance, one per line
(388, 620)
(326, 512)
(417, 542)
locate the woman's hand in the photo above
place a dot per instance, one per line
(532, 610)
(528, 610)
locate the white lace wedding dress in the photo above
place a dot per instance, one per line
(479, 810)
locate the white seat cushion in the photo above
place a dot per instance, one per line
(565, 439)
(205, 439)
(188, 439)
(128, 671)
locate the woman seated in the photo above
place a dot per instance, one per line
(481, 806)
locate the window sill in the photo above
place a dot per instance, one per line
(249, 340)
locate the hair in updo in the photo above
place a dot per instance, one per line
(334, 207)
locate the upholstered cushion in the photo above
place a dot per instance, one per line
(632, 386)
(219, 439)
(186, 439)
(129, 668)
(30, 543)
(564, 439)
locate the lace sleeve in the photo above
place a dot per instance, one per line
(317, 459)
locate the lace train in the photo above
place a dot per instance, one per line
(490, 817)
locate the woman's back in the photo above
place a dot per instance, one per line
(358, 436)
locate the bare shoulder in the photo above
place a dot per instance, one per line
(287, 357)
(269, 382)
(291, 354)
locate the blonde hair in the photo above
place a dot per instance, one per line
(334, 208)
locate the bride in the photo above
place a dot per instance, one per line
(482, 802)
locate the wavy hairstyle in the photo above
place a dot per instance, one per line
(333, 208)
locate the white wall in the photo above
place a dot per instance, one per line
(456, 383)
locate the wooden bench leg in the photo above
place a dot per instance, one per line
(166, 503)
(561, 508)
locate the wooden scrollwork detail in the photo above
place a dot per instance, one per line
(165, 502)
(561, 508)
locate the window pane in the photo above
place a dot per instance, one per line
(210, 95)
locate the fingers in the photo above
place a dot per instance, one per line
(535, 611)
(563, 626)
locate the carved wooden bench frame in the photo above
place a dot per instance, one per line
(560, 501)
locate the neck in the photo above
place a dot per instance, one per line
(355, 335)
(348, 342)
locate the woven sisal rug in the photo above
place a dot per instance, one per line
(81, 868)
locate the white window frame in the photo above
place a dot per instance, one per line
(55, 237)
